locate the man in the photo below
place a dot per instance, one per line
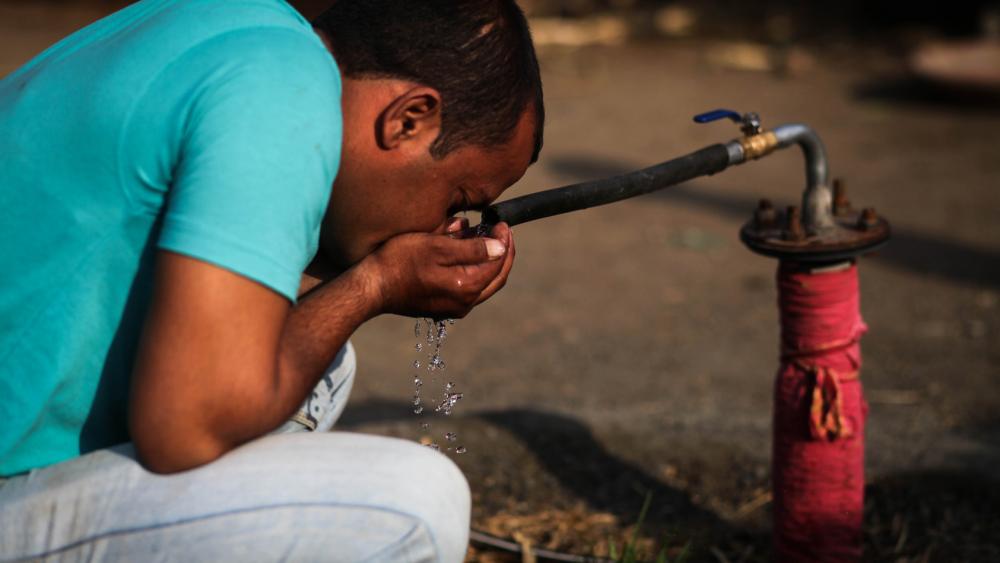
(166, 178)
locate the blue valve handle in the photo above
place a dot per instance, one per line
(717, 114)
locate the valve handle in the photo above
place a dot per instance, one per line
(749, 122)
(718, 114)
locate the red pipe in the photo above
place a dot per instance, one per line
(819, 417)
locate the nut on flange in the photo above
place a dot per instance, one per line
(781, 234)
(793, 224)
(841, 205)
(765, 216)
(868, 219)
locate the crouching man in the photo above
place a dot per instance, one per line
(166, 176)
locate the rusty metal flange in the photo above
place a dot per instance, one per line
(780, 234)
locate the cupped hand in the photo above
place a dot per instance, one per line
(440, 275)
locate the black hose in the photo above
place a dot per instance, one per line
(706, 161)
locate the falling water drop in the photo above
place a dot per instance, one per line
(450, 436)
(460, 450)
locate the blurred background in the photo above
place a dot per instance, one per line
(634, 348)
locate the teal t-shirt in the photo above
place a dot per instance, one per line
(210, 128)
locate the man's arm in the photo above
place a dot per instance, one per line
(224, 359)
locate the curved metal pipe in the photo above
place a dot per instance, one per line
(817, 200)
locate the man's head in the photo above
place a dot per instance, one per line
(443, 110)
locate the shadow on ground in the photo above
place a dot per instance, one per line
(932, 516)
(914, 91)
(567, 449)
(908, 249)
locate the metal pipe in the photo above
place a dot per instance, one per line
(817, 199)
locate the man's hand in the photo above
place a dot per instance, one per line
(439, 275)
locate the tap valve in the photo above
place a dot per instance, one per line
(749, 122)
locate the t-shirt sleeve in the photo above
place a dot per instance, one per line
(259, 153)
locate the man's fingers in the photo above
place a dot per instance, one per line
(456, 225)
(502, 232)
(459, 252)
(501, 278)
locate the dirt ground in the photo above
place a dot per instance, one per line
(635, 346)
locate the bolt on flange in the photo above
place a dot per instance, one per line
(841, 205)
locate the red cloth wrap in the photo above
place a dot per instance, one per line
(819, 418)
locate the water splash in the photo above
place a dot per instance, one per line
(433, 333)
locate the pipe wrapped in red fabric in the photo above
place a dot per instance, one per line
(819, 417)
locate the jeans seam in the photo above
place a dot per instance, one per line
(182, 521)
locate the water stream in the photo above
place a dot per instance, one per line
(430, 335)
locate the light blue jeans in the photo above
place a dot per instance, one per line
(289, 496)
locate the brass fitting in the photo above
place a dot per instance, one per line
(758, 145)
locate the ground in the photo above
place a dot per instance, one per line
(635, 346)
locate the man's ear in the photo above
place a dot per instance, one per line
(414, 115)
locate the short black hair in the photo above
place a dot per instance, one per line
(477, 54)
